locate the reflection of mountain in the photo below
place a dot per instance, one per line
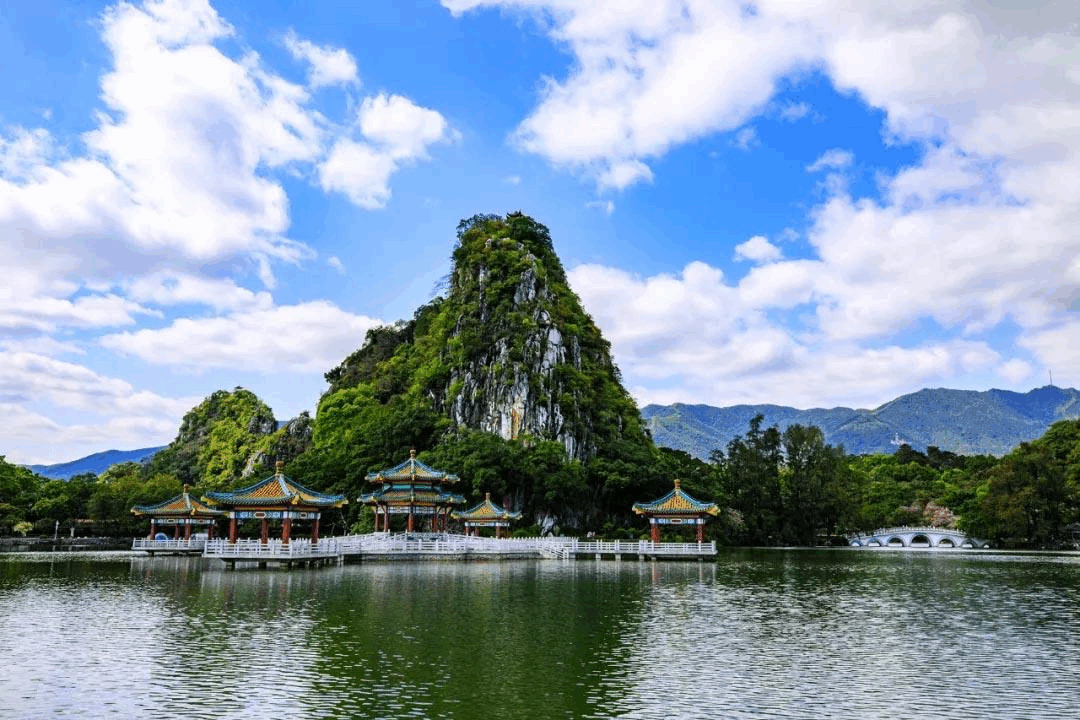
(962, 421)
(96, 463)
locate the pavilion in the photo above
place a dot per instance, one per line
(275, 498)
(676, 508)
(412, 488)
(182, 511)
(486, 514)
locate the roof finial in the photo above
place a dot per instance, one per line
(678, 482)
(412, 453)
(278, 467)
(487, 496)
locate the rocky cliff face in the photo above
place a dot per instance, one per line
(524, 358)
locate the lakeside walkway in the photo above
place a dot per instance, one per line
(442, 546)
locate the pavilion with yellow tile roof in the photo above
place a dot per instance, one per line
(182, 511)
(276, 498)
(413, 489)
(676, 508)
(486, 514)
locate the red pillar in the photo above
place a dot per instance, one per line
(187, 531)
(176, 532)
(654, 532)
(210, 530)
(410, 519)
(264, 533)
(153, 528)
(286, 528)
(315, 531)
(232, 529)
(700, 531)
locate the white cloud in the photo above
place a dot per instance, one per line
(623, 173)
(790, 112)
(170, 288)
(835, 159)
(647, 76)
(358, 171)
(605, 206)
(746, 139)
(694, 336)
(303, 338)
(335, 262)
(396, 132)
(403, 129)
(514, 180)
(757, 249)
(328, 65)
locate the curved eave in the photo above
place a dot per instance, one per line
(276, 490)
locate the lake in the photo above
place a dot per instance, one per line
(757, 634)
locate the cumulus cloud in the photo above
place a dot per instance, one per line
(303, 338)
(757, 249)
(835, 159)
(395, 132)
(327, 65)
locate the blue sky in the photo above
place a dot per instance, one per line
(805, 204)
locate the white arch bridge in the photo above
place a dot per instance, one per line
(915, 537)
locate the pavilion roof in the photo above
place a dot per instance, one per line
(676, 502)
(486, 510)
(181, 505)
(275, 490)
(409, 495)
(412, 470)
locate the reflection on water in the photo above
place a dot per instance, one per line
(759, 634)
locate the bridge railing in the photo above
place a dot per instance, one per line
(189, 544)
(906, 529)
(299, 548)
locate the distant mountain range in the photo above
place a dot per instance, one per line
(96, 463)
(968, 422)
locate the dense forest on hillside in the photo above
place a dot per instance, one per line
(507, 382)
(776, 488)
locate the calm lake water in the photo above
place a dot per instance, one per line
(759, 634)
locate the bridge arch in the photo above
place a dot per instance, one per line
(920, 540)
(895, 541)
(946, 542)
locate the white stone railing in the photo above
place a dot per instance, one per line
(188, 544)
(299, 548)
(449, 544)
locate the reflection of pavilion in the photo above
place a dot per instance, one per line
(412, 488)
(676, 508)
(486, 514)
(182, 511)
(276, 498)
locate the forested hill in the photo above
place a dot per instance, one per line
(505, 380)
(967, 422)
